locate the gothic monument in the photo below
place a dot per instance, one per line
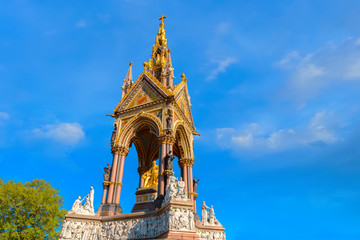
(153, 115)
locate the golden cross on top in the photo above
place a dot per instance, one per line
(162, 18)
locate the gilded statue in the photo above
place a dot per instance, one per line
(162, 58)
(145, 66)
(151, 176)
(158, 59)
(151, 64)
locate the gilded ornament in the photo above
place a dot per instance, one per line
(189, 162)
(145, 66)
(151, 176)
(120, 150)
(167, 139)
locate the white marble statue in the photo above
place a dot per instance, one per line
(182, 192)
(181, 219)
(211, 235)
(175, 190)
(204, 213)
(87, 208)
(211, 216)
(174, 218)
(208, 218)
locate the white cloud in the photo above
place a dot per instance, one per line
(81, 23)
(288, 59)
(221, 67)
(321, 129)
(312, 73)
(64, 133)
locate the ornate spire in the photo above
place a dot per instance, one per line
(159, 65)
(128, 82)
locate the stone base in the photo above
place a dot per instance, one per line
(175, 220)
(145, 200)
(179, 235)
(109, 209)
(158, 201)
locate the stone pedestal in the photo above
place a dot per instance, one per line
(109, 209)
(145, 199)
(175, 219)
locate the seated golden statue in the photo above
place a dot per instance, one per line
(151, 176)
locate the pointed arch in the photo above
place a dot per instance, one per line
(129, 130)
(183, 144)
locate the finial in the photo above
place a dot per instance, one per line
(130, 64)
(162, 18)
(183, 77)
(145, 65)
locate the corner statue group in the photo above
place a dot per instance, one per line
(153, 116)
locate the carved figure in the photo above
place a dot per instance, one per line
(191, 220)
(195, 183)
(91, 198)
(169, 158)
(65, 232)
(212, 215)
(204, 213)
(181, 191)
(145, 66)
(77, 205)
(107, 171)
(87, 208)
(151, 64)
(169, 122)
(113, 135)
(151, 176)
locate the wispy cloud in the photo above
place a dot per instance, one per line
(81, 23)
(221, 67)
(314, 72)
(68, 134)
(320, 129)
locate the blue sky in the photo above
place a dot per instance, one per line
(274, 89)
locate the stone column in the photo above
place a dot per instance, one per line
(166, 142)
(185, 177)
(192, 193)
(161, 181)
(186, 165)
(104, 193)
(141, 171)
(118, 184)
(115, 152)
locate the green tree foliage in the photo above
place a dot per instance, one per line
(30, 210)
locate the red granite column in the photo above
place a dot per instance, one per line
(119, 178)
(114, 166)
(192, 195)
(185, 177)
(161, 180)
(104, 194)
(166, 142)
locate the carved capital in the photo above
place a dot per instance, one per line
(120, 150)
(106, 184)
(167, 139)
(186, 162)
(167, 172)
(115, 183)
(194, 194)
